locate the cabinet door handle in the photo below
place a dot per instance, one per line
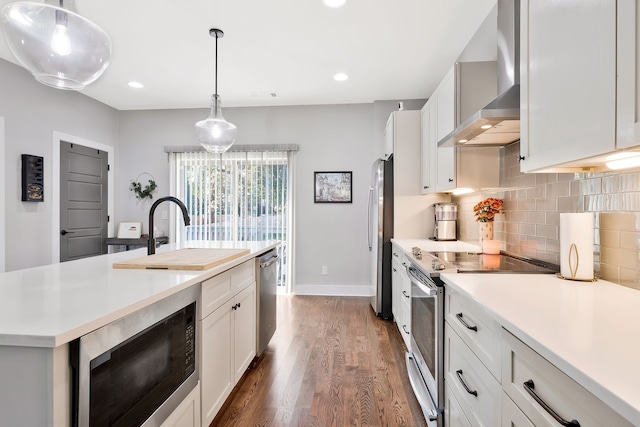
(450, 179)
(529, 387)
(466, 387)
(520, 158)
(235, 306)
(466, 325)
(425, 187)
(395, 254)
(404, 327)
(405, 294)
(394, 270)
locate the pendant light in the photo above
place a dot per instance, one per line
(59, 47)
(215, 133)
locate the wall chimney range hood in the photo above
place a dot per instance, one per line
(498, 123)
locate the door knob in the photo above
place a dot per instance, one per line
(63, 232)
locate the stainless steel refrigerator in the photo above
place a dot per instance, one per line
(380, 232)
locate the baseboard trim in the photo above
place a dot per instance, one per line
(333, 290)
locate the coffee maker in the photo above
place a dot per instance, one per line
(446, 218)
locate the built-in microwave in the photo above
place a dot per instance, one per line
(136, 370)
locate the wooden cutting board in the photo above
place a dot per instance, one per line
(184, 259)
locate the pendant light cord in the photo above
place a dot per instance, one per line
(216, 66)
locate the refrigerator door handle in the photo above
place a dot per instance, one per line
(369, 213)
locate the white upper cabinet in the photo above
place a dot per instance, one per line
(467, 87)
(428, 116)
(445, 95)
(568, 84)
(628, 74)
(388, 138)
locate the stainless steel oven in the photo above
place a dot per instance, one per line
(425, 360)
(136, 370)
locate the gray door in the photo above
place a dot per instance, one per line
(83, 201)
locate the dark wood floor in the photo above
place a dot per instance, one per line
(331, 362)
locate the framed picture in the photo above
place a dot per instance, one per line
(129, 230)
(332, 187)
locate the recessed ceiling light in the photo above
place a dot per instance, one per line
(340, 77)
(334, 3)
(136, 85)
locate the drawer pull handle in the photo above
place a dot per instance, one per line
(405, 294)
(529, 386)
(466, 387)
(404, 327)
(466, 325)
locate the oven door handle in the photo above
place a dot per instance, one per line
(427, 288)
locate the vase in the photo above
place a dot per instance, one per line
(486, 231)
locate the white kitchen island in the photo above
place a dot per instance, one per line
(42, 309)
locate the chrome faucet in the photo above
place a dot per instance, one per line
(151, 245)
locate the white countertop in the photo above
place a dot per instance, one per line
(51, 305)
(589, 330)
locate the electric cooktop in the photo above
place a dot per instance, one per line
(469, 262)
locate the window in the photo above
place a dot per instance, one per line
(237, 196)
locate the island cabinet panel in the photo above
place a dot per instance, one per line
(216, 372)
(525, 373)
(244, 327)
(34, 386)
(228, 335)
(188, 413)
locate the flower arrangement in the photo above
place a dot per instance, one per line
(486, 210)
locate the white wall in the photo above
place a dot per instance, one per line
(32, 113)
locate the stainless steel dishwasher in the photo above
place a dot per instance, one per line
(267, 268)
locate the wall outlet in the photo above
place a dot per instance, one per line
(165, 215)
(325, 270)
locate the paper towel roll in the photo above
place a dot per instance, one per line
(576, 246)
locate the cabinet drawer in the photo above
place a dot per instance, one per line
(453, 415)
(512, 416)
(221, 288)
(472, 384)
(405, 326)
(476, 328)
(521, 365)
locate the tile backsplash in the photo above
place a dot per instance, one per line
(530, 222)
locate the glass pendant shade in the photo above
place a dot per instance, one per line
(215, 133)
(59, 47)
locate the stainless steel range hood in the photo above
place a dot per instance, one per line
(498, 123)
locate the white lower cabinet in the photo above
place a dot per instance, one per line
(453, 415)
(188, 413)
(474, 387)
(401, 294)
(405, 296)
(545, 394)
(228, 331)
(512, 416)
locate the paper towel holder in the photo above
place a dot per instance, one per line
(574, 262)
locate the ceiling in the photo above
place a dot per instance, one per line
(390, 49)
